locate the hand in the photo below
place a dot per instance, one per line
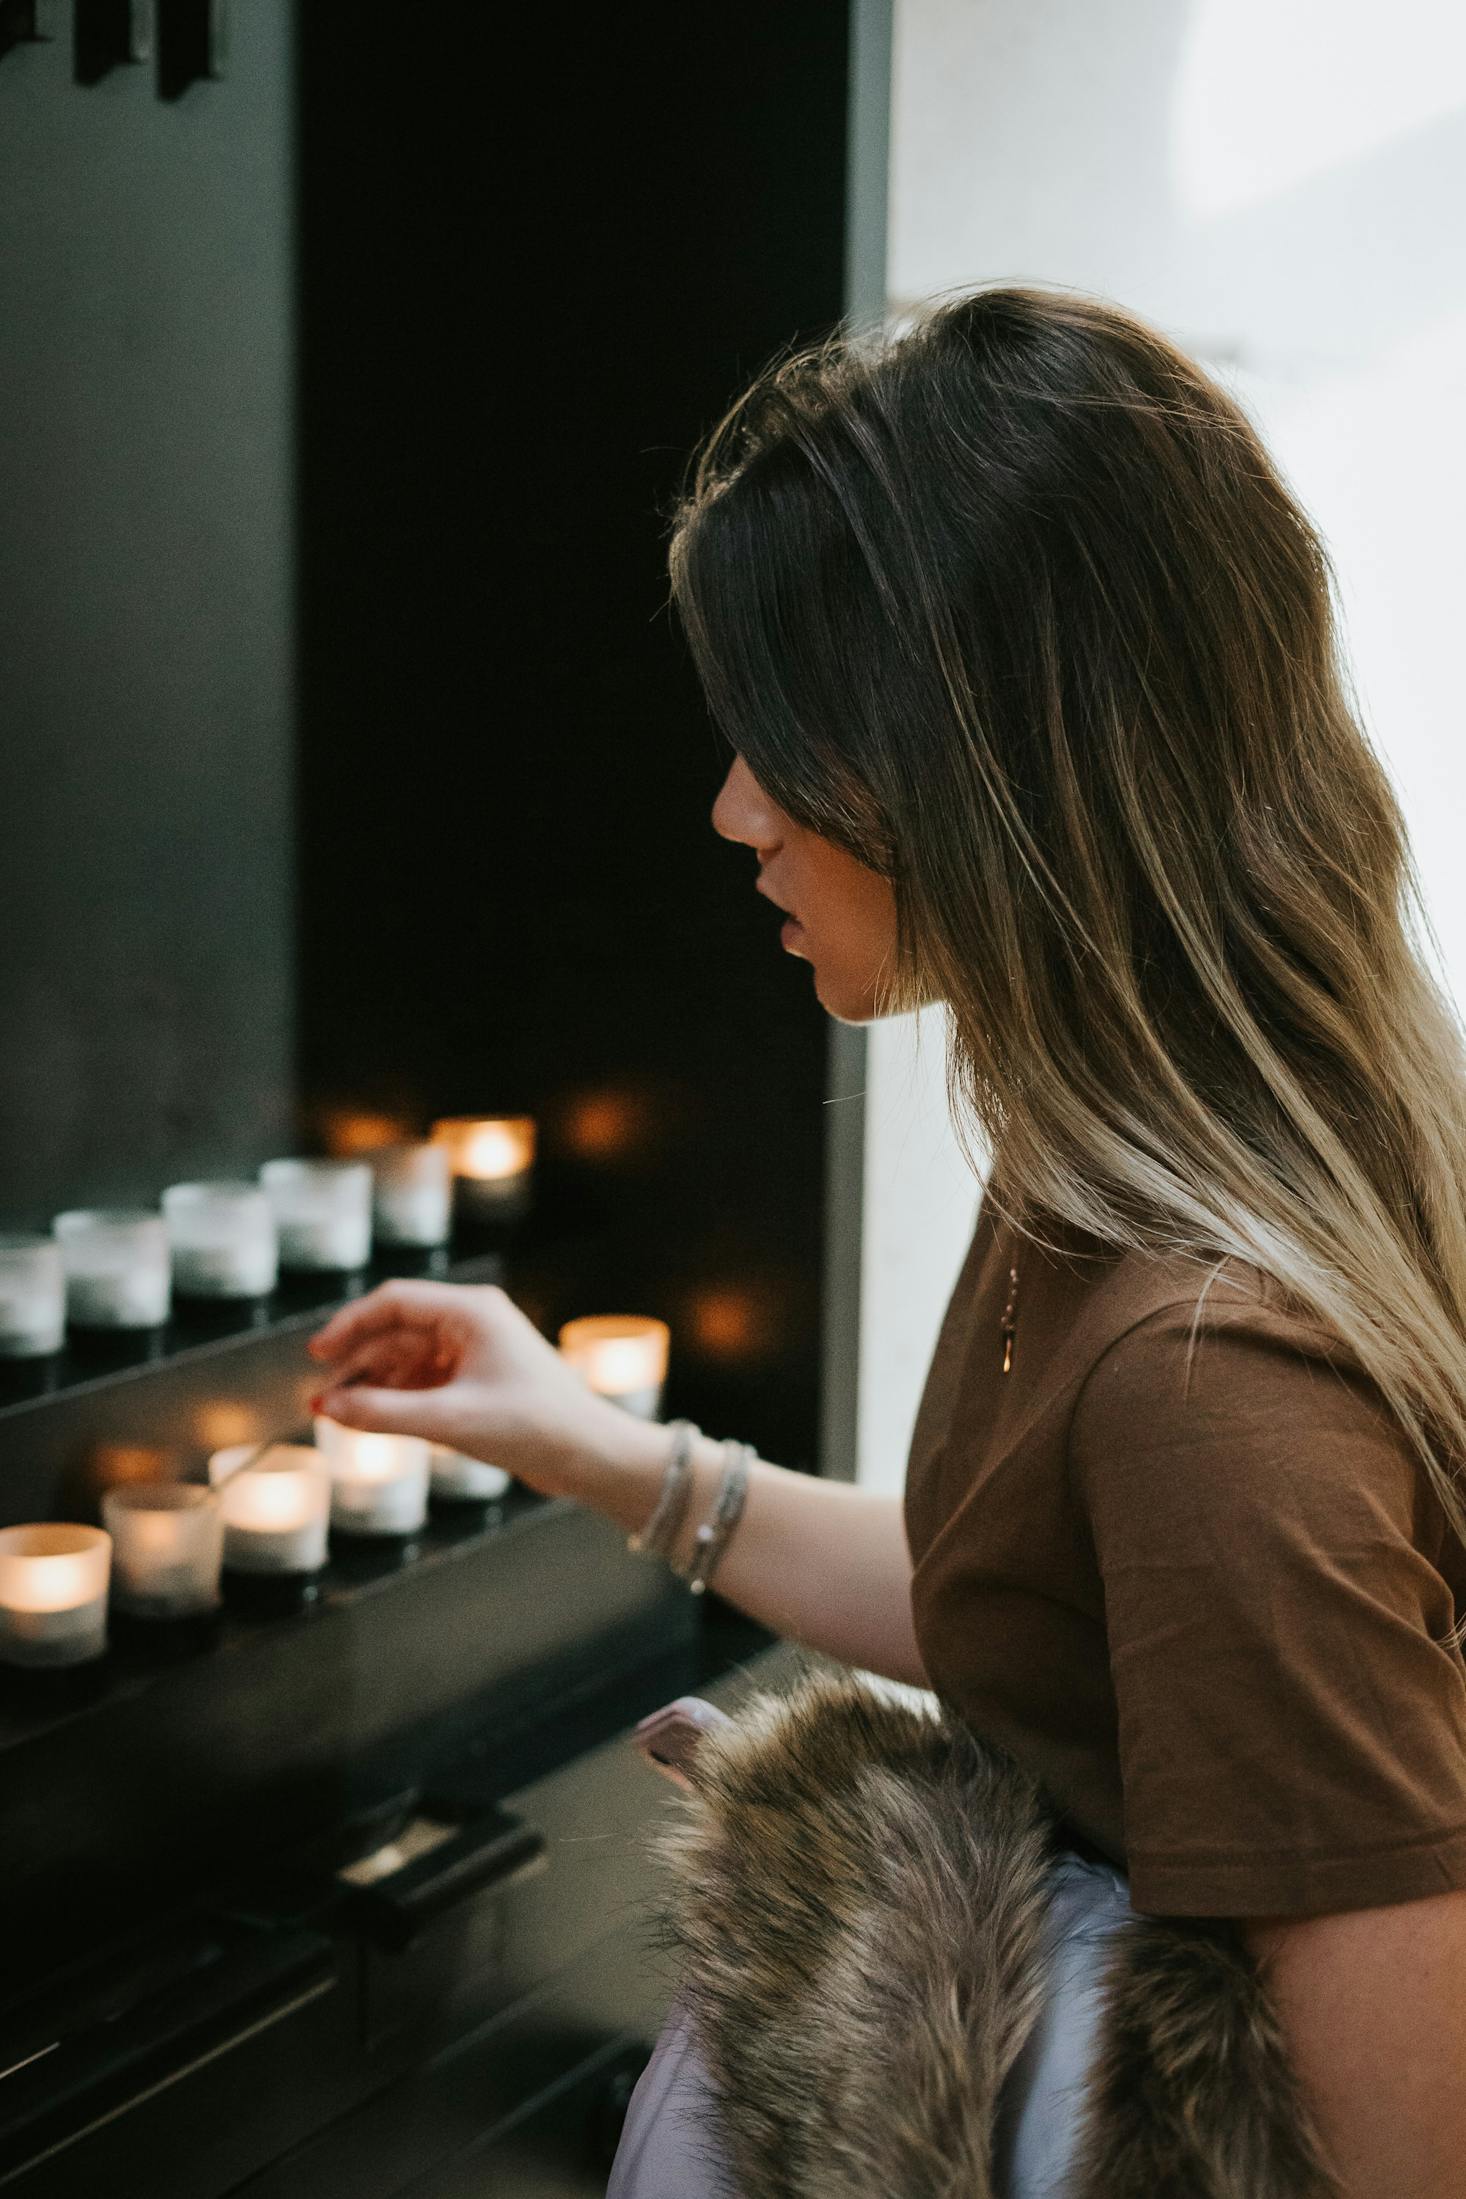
(462, 1365)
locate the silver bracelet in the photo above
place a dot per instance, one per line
(657, 1534)
(714, 1535)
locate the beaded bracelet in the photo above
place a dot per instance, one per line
(712, 1538)
(659, 1532)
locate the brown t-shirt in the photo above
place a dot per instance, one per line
(1207, 1617)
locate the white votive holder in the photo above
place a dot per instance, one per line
(412, 1197)
(493, 1163)
(379, 1483)
(621, 1356)
(276, 1512)
(53, 1594)
(32, 1296)
(118, 1267)
(323, 1211)
(224, 1240)
(458, 1479)
(167, 1548)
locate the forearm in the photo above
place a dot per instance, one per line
(818, 1561)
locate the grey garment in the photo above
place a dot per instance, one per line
(670, 2147)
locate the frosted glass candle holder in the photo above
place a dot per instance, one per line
(276, 1512)
(493, 1163)
(224, 1240)
(622, 1356)
(53, 1594)
(458, 1479)
(323, 1211)
(379, 1483)
(32, 1296)
(167, 1548)
(119, 1267)
(412, 1201)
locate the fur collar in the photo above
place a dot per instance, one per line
(858, 1890)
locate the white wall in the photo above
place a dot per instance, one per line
(1279, 185)
(920, 1204)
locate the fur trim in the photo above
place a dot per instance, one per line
(859, 1887)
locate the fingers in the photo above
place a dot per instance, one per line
(388, 1412)
(405, 1304)
(393, 1362)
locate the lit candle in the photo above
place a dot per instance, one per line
(32, 1296)
(224, 1239)
(323, 1211)
(622, 1356)
(379, 1483)
(458, 1479)
(412, 1203)
(493, 1162)
(53, 1594)
(167, 1548)
(277, 1511)
(118, 1267)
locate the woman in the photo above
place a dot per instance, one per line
(1029, 665)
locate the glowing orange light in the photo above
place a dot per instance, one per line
(218, 1425)
(350, 1131)
(604, 1124)
(730, 1324)
(488, 1148)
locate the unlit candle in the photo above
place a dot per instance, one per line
(167, 1547)
(32, 1296)
(457, 1478)
(118, 1267)
(412, 1198)
(323, 1211)
(224, 1239)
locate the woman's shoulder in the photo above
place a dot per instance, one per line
(1211, 1388)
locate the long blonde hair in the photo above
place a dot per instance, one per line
(1017, 609)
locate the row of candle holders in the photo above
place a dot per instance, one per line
(268, 1512)
(117, 1268)
(165, 1547)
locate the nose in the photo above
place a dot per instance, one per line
(744, 812)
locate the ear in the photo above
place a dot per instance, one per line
(670, 1737)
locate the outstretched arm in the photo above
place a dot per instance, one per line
(818, 1561)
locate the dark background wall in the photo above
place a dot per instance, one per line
(531, 272)
(340, 402)
(145, 610)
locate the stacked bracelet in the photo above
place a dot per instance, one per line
(657, 1536)
(712, 1538)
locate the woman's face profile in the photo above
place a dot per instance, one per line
(846, 914)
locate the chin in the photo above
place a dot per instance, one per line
(845, 1006)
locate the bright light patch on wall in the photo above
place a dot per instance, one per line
(1272, 93)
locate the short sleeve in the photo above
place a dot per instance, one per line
(1291, 1723)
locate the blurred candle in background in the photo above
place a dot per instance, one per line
(622, 1356)
(53, 1594)
(459, 1479)
(167, 1548)
(323, 1212)
(224, 1239)
(277, 1511)
(32, 1296)
(118, 1267)
(379, 1483)
(493, 1163)
(412, 1199)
